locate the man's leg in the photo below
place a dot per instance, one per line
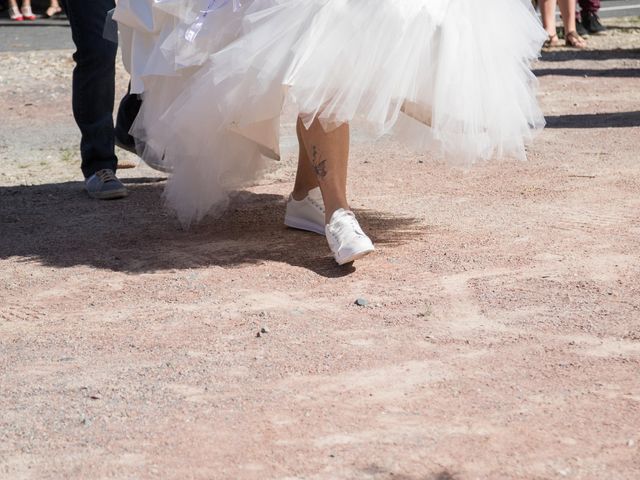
(591, 6)
(93, 83)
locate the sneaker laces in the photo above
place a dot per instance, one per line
(106, 175)
(318, 203)
(346, 222)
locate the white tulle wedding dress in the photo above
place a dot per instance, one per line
(450, 77)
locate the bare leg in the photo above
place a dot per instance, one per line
(305, 177)
(14, 11)
(568, 11)
(328, 153)
(26, 10)
(548, 10)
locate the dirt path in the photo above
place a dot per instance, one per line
(501, 339)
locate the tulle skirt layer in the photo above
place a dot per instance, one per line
(450, 77)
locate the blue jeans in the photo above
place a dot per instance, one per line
(93, 83)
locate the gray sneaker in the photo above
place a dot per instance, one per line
(104, 185)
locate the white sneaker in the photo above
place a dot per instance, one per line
(306, 214)
(346, 239)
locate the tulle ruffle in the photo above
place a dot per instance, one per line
(445, 76)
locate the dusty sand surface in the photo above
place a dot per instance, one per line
(501, 338)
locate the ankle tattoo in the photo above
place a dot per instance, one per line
(319, 163)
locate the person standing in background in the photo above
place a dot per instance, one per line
(588, 21)
(19, 14)
(93, 96)
(568, 11)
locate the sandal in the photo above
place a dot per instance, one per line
(27, 13)
(573, 40)
(15, 15)
(552, 42)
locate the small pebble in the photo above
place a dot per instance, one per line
(631, 443)
(264, 330)
(362, 302)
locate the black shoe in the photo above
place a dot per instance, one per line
(581, 30)
(591, 22)
(127, 112)
(125, 142)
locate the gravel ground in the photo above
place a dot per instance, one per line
(500, 337)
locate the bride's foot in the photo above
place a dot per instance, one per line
(306, 214)
(346, 239)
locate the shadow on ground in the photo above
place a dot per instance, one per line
(612, 54)
(595, 120)
(588, 72)
(58, 225)
(377, 471)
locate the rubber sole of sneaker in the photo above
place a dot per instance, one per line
(353, 257)
(302, 224)
(114, 195)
